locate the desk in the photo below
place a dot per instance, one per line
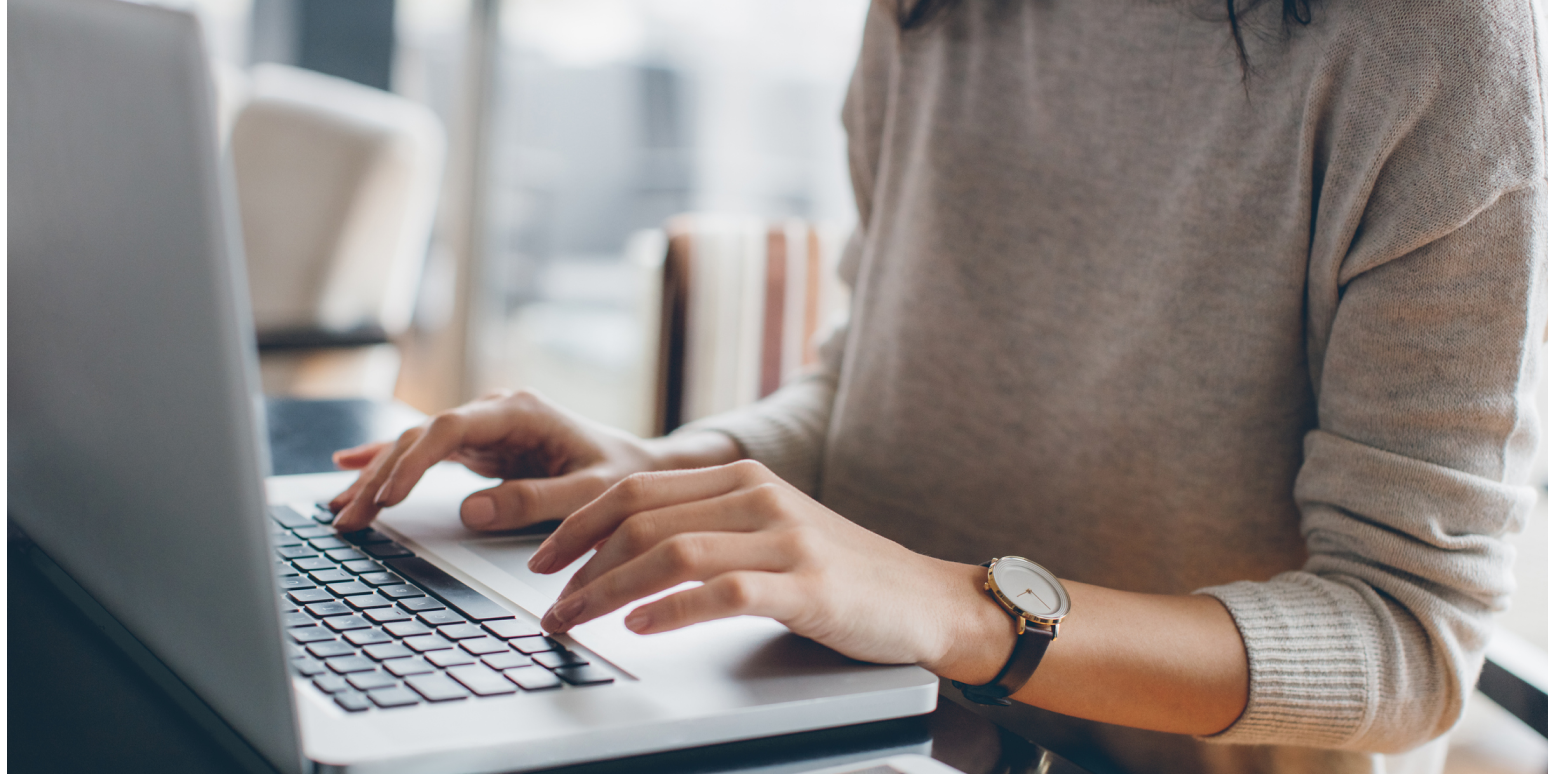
(77, 703)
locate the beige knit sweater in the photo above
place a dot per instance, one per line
(1276, 344)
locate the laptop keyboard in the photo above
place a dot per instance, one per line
(376, 627)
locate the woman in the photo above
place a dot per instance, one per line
(1229, 323)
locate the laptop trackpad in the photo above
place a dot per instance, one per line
(510, 554)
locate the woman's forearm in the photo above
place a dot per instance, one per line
(1165, 663)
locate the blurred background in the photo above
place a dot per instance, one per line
(571, 130)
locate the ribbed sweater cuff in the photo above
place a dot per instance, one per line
(782, 446)
(1312, 673)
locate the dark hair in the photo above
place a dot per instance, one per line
(1291, 11)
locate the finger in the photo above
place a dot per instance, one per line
(518, 503)
(442, 437)
(362, 507)
(637, 493)
(687, 557)
(724, 596)
(644, 531)
(344, 498)
(360, 456)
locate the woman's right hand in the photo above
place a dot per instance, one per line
(551, 460)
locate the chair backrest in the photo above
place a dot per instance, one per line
(337, 184)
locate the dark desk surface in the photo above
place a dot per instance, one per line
(76, 703)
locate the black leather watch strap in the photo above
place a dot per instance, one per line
(1031, 644)
(1024, 658)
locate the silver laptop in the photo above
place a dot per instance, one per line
(136, 462)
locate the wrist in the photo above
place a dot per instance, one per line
(702, 449)
(979, 636)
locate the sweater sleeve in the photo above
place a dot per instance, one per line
(1424, 323)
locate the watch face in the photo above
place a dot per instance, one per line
(1030, 588)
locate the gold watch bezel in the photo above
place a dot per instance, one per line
(1024, 617)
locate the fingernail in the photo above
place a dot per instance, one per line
(638, 621)
(542, 560)
(381, 494)
(478, 512)
(561, 614)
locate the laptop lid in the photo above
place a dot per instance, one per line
(135, 446)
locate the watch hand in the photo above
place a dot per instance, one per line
(1035, 596)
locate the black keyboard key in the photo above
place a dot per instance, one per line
(282, 569)
(393, 697)
(330, 649)
(345, 623)
(437, 687)
(314, 564)
(448, 658)
(314, 531)
(322, 514)
(507, 660)
(367, 636)
(532, 678)
(406, 628)
(310, 634)
(287, 516)
(283, 538)
(481, 680)
(352, 701)
(483, 646)
(367, 567)
(364, 536)
(382, 578)
(367, 601)
(421, 604)
(296, 619)
(512, 627)
(400, 591)
(388, 550)
(308, 596)
(387, 615)
(462, 631)
(307, 666)
(440, 618)
(349, 588)
(327, 542)
(560, 658)
(387, 650)
(295, 552)
(329, 608)
(347, 664)
(344, 555)
(583, 675)
(292, 582)
(330, 683)
(404, 667)
(370, 681)
(530, 645)
(331, 576)
(471, 604)
(427, 642)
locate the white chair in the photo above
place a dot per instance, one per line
(337, 185)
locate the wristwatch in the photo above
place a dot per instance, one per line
(1038, 602)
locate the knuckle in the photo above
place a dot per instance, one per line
(632, 489)
(682, 553)
(749, 470)
(802, 544)
(737, 591)
(634, 534)
(766, 497)
(445, 421)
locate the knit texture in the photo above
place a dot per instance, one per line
(1164, 332)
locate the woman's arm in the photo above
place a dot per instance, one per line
(761, 547)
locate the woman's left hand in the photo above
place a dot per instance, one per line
(761, 547)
